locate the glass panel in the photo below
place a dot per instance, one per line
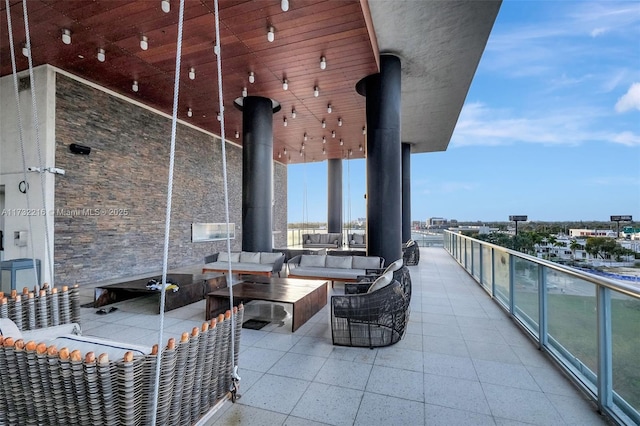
(572, 321)
(467, 251)
(487, 276)
(501, 271)
(525, 297)
(625, 327)
(476, 260)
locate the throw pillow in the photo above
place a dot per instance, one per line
(9, 328)
(224, 257)
(381, 282)
(394, 266)
(267, 258)
(366, 262)
(250, 257)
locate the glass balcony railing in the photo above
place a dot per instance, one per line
(590, 325)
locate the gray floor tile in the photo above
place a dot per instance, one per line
(363, 355)
(298, 366)
(239, 414)
(576, 411)
(403, 384)
(329, 404)
(498, 373)
(394, 357)
(449, 365)
(277, 341)
(491, 352)
(274, 393)
(445, 345)
(385, 410)
(521, 405)
(455, 393)
(299, 421)
(438, 415)
(310, 345)
(259, 359)
(348, 374)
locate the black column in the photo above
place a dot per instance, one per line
(257, 173)
(384, 167)
(334, 198)
(406, 192)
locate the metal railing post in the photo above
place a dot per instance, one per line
(605, 356)
(512, 285)
(542, 308)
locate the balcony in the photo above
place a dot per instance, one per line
(462, 361)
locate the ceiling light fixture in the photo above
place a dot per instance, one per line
(101, 56)
(252, 77)
(144, 42)
(66, 36)
(324, 140)
(302, 145)
(244, 92)
(271, 34)
(324, 124)
(189, 112)
(364, 130)
(25, 51)
(360, 147)
(305, 137)
(219, 117)
(285, 122)
(284, 5)
(301, 153)
(333, 134)
(134, 86)
(316, 91)
(279, 155)
(284, 151)
(237, 134)
(216, 48)
(339, 122)
(341, 142)
(192, 73)
(285, 84)
(324, 151)
(350, 152)
(329, 109)
(294, 114)
(166, 6)
(323, 63)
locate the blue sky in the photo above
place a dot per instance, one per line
(550, 127)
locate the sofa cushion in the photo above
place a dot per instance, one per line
(394, 266)
(8, 328)
(115, 350)
(343, 262)
(358, 239)
(381, 282)
(334, 274)
(314, 260)
(270, 258)
(224, 257)
(314, 238)
(366, 262)
(250, 257)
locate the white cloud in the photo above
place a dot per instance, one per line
(613, 181)
(626, 138)
(630, 100)
(598, 31)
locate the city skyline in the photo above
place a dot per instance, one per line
(550, 127)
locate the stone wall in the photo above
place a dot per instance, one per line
(111, 204)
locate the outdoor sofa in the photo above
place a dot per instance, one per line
(328, 240)
(246, 262)
(357, 241)
(333, 268)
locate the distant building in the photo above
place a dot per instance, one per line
(583, 233)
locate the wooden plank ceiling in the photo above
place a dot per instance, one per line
(335, 29)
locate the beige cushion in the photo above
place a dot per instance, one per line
(381, 282)
(224, 257)
(313, 260)
(250, 257)
(266, 257)
(315, 238)
(342, 262)
(358, 239)
(9, 328)
(394, 266)
(366, 262)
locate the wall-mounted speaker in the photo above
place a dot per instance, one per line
(79, 149)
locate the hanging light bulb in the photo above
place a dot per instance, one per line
(285, 84)
(333, 134)
(66, 36)
(25, 51)
(252, 77)
(192, 73)
(284, 5)
(244, 92)
(341, 142)
(305, 137)
(166, 6)
(301, 153)
(339, 122)
(285, 122)
(324, 151)
(134, 86)
(293, 113)
(216, 48)
(285, 151)
(237, 134)
(324, 124)
(324, 139)
(189, 112)
(144, 42)
(316, 91)
(364, 130)
(360, 147)
(323, 63)
(219, 117)
(271, 34)
(303, 145)
(350, 152)
(101, 56)
(279, 154)
(329, 109)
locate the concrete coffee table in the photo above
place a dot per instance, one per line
(306, 296)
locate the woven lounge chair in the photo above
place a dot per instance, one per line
(400, 274)
(376, 318)
(411, 253)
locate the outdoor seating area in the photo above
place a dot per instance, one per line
(333, 268)
(255, 263)
(328, 240)
(357, 241)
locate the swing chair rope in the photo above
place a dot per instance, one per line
(21, 130)
(167, 227)
(36, 127)
(234, 376)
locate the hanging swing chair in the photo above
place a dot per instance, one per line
(85, 380)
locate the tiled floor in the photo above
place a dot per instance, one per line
(462, 362)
